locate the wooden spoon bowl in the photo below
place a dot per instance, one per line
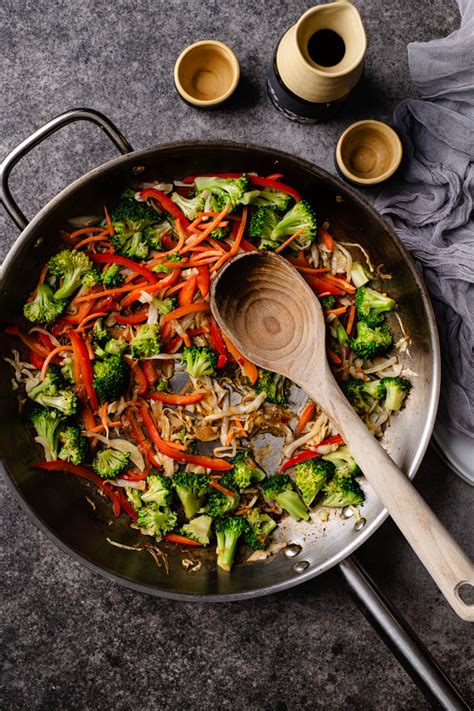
(272, 316)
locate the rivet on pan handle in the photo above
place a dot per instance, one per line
(38, 137)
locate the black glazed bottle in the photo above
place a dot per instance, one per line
(317, 63)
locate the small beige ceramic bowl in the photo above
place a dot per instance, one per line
(368, 152)
(206, 73)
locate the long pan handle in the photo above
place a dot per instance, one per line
(38, 137)
(401, 639)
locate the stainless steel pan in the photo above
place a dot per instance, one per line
(57, 504)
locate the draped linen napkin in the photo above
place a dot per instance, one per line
(431, 204)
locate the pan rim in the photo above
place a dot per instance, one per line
(431, 409)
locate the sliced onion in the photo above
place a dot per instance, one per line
(37, 329)
(386, 363)
(84, 221)
(125, 484)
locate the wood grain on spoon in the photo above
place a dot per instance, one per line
(272, 316)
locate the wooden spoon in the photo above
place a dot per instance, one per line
(271, 315)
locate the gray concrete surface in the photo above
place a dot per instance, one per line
(72, 640)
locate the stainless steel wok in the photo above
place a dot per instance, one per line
(57, 502)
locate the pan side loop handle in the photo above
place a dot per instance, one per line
(38, 137)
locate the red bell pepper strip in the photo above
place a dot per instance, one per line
(203, 280)
(130, 475)
(274, 185)
(137, 317)
(247, 246)
(216, 337)
(327, 239)
(58, 465)
(173, 345)
(222, 361)
(143, 444)
(36, 360)
(175, 399)
(186, 294)
(87, 375)
(124, 262)
(139, 377)
(166, 203)
(310, 453)
(177, 538)
(248, 368)
(163, 447)
(28, 341)
(150, 372)
(74, 319)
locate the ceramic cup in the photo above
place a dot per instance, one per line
(318, 62)
(368, 153)
(206, 74)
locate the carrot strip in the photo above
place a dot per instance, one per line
(88, 240)
(327, 239)
(235, 247)
(305, 416)
(350, 319)
(310, 270)
(96, 314)
(337, 312)
(85, 231)
(50, 357)
(169, 280)
(334, 358)
(247, 367)
(110, 224)
(178, 538)
(340, 282)
(221, 488)
(207, 231)
(285, 244)
(183, 310)
(108, 292)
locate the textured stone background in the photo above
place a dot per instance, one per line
(72, 640)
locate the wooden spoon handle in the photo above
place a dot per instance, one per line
(445, 561)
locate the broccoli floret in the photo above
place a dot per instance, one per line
(273, 384)
(146, 342)
(371, 305)
(281, 489)
(327, 302)
(175, 257)
(48, 393)
(223, 190)
(155, 233)
(72, 268)
(112, 275)
(311, 476)
(344, 462)
(374, 388)
(246, 470)
(92, 278)
(111, 377)
(199, 529)
(114, 346)
(44, 308)
(136, 227)
(360, 396)
(371, 342)
(220, 233)
(48, 424)
(133, 246)
(67, 370)
(221, 504)
(300, 217)
(190, 206)
(133, 495)
(228, 532)
(159, 491)
(342, 491)
(191, 489)
(199, 360)
(267, 198)
(261, 226)
(75, 447)
(162, 385)
(359, 276)
(99, 332)
(154, 521)
(164, 306)
(396, 390)
(259, 530)
(109, 463)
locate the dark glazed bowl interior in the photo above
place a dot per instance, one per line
(57, 501)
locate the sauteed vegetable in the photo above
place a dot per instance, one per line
(130, 383)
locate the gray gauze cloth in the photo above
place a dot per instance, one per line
(431, 204)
